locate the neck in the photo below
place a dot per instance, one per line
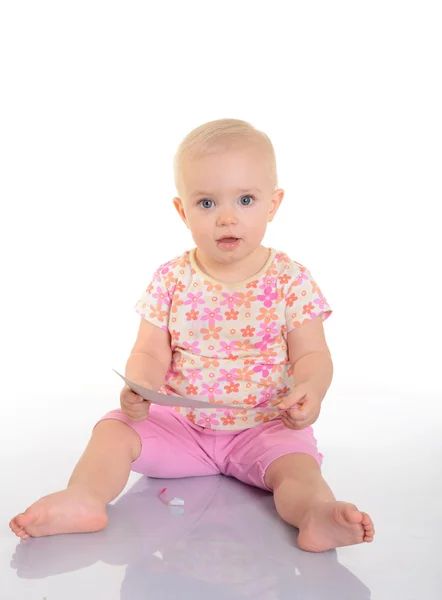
(233, 272)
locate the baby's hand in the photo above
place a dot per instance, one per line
(133, 405)
(301, 407)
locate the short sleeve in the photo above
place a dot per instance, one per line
(304, 300)
(155, 301)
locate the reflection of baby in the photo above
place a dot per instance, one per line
(226, 543)
(238, 323)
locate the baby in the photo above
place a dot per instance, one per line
(238, 323)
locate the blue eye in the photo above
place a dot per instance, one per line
(246, 200)
(206, 203)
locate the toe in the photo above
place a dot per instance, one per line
(352, 514)
(366, 520)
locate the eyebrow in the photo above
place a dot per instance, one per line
(245, 191)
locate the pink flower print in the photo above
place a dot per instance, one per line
(193, 375)
(194, 299)
(230, 299)
(162, 297)
(267, 395)
(268, 282)
(192, 347)
(208, 420)
(262, 345)
(212, 314)
(268, 296)
(211, 390)
(227, 347)
(229, 375)
(263, 369)
(321, 301)
(300, 278)
(270, 329)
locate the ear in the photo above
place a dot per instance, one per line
(178, 203)
(275, 202)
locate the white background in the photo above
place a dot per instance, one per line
(96, 97)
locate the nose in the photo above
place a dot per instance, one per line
(226, 217)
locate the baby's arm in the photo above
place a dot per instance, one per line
(151, 355)
(147, 365)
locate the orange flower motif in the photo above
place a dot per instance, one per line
(265, 382)
(245, 374)
(291, 299)
(277, 368)
(192, 315)
(176, 303)
(179, 286)
(211, 333)
(210, 362)
(192, 390)
(268, 314)
(191, 417)
(244, 346)
(250, 361)
(149, 288)
(175, 335)
(272, 271)
(232, 387)
(229, 420)
(248, 331)
(156, 313)
(284, 278)
(232, 314)
(245, 299)
(252, 284)
(265, 417)
(308, 308)
(213, 286)
(250, 399)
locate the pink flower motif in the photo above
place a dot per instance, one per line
(321, 301)
(228, 348)
(230, 299)
(262, 345)
(262, 368)
(268, 282)
(301, 277)
(269, 329)
(162, 296)
(193, 375)
(267, 395)
(194, 299)
(192, 347)
(268, 297)
(211, 390)
(208, 420)
(229, 375)
(212, 315)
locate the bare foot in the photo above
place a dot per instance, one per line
(73, 510)
(333, 524)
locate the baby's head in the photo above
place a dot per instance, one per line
(225, 175)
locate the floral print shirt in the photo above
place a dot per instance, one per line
(229, 340)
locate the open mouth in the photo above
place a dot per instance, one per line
(228, 242)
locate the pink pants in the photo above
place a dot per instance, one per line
(172, 447)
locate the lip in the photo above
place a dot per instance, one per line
(228, 242)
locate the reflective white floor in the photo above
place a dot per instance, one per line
(228, 541)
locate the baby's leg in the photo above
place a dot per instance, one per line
(303, 499)
(100, 475)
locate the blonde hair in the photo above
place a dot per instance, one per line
(221, 133)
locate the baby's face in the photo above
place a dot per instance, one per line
(227, 199)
